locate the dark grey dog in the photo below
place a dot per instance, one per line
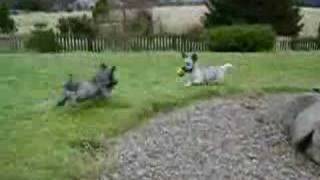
(100, 87)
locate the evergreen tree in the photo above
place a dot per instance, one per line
(7, 24)
(319, 32)
(283, 15)
(101, 8)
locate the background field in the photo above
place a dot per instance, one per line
(311, 20)
(39, 141)
(172, 19)
(25, 21)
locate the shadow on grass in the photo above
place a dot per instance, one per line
(114, 103)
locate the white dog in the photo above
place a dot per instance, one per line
(202, 75)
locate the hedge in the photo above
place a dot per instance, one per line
(242, 38)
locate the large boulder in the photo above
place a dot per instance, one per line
(304, 131)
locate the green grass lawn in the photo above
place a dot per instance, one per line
(39, 141)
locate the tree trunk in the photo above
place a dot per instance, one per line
(124, 20)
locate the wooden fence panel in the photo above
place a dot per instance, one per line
(305, 44)
(150, 43)
(9, 43)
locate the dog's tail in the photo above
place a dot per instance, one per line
(103, 66)
(62, 102)
(226, 66)
(70, 77)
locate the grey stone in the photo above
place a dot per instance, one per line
(306, 127)
(305, 123)
(217, 139)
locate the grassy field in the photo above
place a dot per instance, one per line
(311, 21)
(172, 19)
(39, 141)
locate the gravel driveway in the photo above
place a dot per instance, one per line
(235, 138)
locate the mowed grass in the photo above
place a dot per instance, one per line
(39, 141)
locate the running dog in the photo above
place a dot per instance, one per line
(99, 87)
(201, 75)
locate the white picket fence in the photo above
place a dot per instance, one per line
(303, 44)
(154, 43)
(140, 43)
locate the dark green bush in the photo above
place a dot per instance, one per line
(77, 26)
(34, 5)
(83, 26)
(242, 38)
(196, 32)
(141, 25)
(101, 9)
(43, 41)
(284, 16)
(40, 25)
(7, 24)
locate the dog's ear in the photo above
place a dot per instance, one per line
(113, 68)
(194, 57)
(70, 77)
(103, 66)
(184, 55)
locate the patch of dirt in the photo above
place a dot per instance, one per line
(236, 138)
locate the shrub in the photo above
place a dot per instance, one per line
(80, 27)
(284, 16)
(77, 26)
(43, 41)
(40, 25)
(34, 5)
(101, 8)
(242, 38)
(196, 32)
(7, 24)
(141, 24)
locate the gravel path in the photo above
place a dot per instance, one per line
(218, 139)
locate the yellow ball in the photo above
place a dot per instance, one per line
(180, 72)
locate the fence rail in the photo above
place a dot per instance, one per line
(149, 43)
(11, 43)
(152, 43)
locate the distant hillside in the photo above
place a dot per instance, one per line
(172, 19)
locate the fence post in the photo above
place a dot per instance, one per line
(174, 43)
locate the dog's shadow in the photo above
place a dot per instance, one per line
(111, 103)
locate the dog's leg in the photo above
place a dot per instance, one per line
(63, 101)
(104, 92)
(188, 84)
(199, 83)
(74, 99)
